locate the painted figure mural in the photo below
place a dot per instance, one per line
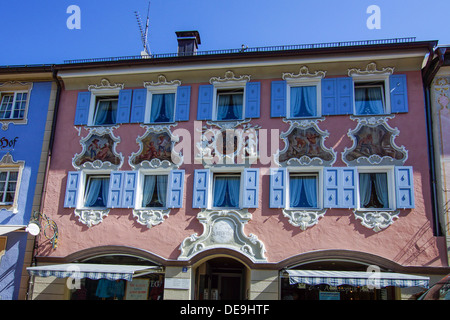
(305, 142)
(374, 141)
(155, 146)
(98, 148)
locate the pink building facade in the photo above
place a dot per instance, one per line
(242, 176)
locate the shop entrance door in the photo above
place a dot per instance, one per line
(221, 279)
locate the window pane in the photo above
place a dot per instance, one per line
(303, 191)
(303, 101)
(369, 100)
(229, 106)
(96, 194)
(162, 107)
(106, 112)
(13, 176)
(155, 191)
(226, 191)
(3, 175)
(6, 106)
(9, 197)
(373, 190)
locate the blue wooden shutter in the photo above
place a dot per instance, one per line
(175, 189)
(278, 99)
(115, 189)
(277, 187)
(129, 189)
(331, 188)
(399, 93)
(124, 106)
(82, 110)
(183, 103)
(404, 187)
(329, 96)
(253, 99)
(138, 105)
(73, 184)
(201, 188)
(251, 188)
(205, 102)
(347, 186)
(344, 95)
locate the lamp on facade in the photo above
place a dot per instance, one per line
(40, 222)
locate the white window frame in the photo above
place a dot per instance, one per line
(309, 171)
(99, 93)
(13, 87)
(228, 85)
(359, 79)
(7, 163)
(391, 187)
(140, 188)
(86, 179)
(224, 171)
(160, 89)
(14, 93)
(292, 83)
(227, 174)
(8, 171)
(79, 203)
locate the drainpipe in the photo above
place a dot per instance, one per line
(428, 78)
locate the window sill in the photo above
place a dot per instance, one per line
(304, 217)
(6, 122)
(9, 207)
(376, 220)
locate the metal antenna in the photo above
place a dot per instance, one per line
(144, 32)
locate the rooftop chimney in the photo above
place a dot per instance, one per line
(188, 42)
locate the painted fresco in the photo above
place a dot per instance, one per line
(98, 148)
(305, 142)
(155, 146)
(374, 141)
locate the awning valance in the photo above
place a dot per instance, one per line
(92, 271)
(354, 278)
(4, 229)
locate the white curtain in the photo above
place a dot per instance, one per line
(152, 182)
(162, 107)
(369, 101)
(303, 101)
(97, 192)
(365, 189)
(381, 189)
(366, 183)
(106, 112)
(149, 188)
(161, 184)
(229, 107)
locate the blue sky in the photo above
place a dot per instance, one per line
(35, 32)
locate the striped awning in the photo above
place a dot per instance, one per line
(92, 271)
(353, 278)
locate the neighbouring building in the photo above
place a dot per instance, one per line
(295, 172)
(27, 100)
(437, 82)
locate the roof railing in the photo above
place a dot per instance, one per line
(251, 50)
